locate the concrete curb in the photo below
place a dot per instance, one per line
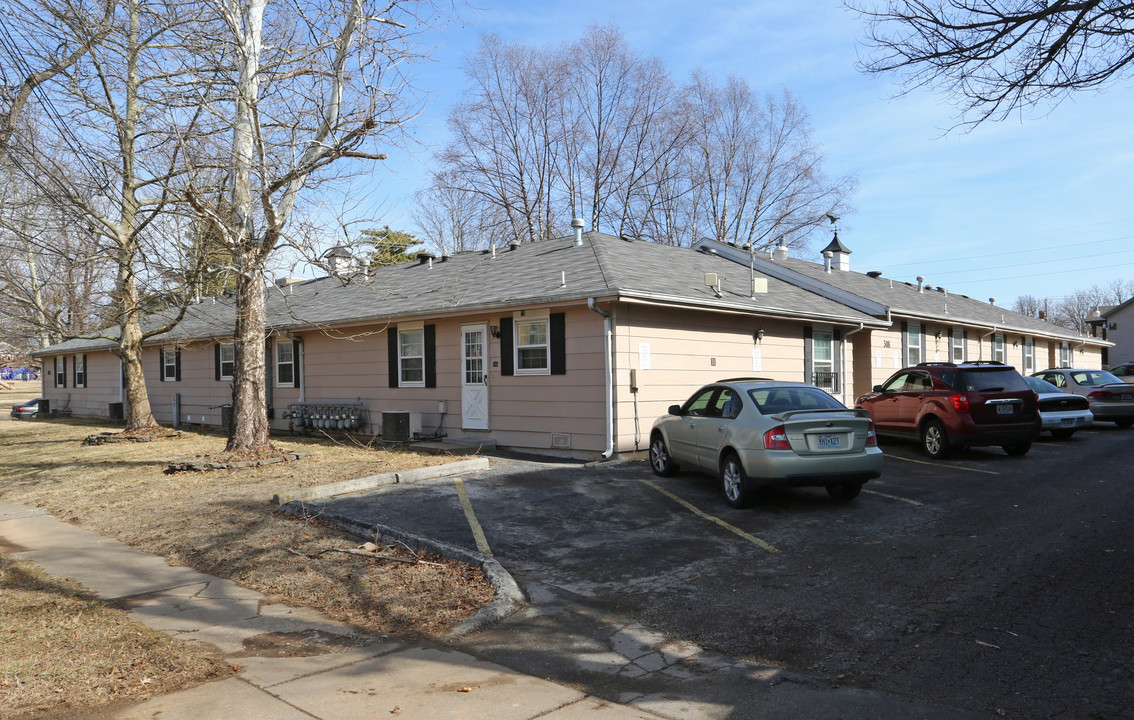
(382, 479)
(509, 597)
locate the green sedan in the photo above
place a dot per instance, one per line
(755, 432)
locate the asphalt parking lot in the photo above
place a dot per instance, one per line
(978, 586)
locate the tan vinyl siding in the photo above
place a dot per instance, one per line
(102, 386)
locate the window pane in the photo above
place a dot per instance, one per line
(532, 358)
(822, 345)
(413, 370)
(285, 374)
(412, 343)
(227, 354)
(532, 332)
(284, 351)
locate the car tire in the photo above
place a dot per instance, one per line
(1017, 449)
(660, 461)
(738, 489)
(1124, 422)
(1062, 434)
(934, 439)
(844, 490)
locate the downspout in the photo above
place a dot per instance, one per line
(609, 380)
(843, 358)
(980, 355)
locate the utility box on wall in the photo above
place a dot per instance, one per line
(400, 425)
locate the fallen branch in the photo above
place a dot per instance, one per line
(361, 553)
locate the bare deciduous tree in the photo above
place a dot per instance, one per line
(119, 107)
(310, 86)
(997, 56)
(595, 130)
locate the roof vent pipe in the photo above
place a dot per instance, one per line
(921, 283)
(874, 274)
(992, 301)
(514, 246)
(577, 226)
(827, 255)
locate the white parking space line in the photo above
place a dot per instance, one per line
(953, 467)
(474, 524)
(893, 497)
(701, 513)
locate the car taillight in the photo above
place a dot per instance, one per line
(776, 439)
(871, 436)
(960, 402)
(1102, 394)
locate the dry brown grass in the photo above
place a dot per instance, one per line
(63, 648)
(222, 523)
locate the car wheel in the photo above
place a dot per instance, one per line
(660, 460)
(738, 489)
(1124, 422)
(844, 490)
(1062, 434)
(1018, 449)
(934, 441)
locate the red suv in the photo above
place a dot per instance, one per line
(946, 405)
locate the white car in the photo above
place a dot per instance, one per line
(1061, 413)
(1111, 399)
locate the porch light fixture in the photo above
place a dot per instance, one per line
(495, 331)
(758, 336)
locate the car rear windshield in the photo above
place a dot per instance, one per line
(1094, 377)
(770, 401)
(1006, 380)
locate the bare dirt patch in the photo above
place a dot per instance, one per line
(221, 522)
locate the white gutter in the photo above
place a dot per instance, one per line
(609, 383)
(843, 360)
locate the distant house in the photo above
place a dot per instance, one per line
(1115, 323)
(568, 346)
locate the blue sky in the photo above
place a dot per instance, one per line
(1037, 204)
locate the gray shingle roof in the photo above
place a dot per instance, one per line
(905, 299)
(533, 273)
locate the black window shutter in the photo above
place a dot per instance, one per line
(75, 371)
(295, 363)
(808, 354)
(430, 356)
(905, 344)
(392, 355)
(558, 338)
(507, 359)
(85, 373)
(161, 364)
(177, 364)
(216, 359)
(63, 375)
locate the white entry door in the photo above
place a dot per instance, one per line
(474, 378)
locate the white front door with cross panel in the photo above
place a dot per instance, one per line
(474, 378)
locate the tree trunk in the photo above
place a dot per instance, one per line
(249, 430)
(139, 415)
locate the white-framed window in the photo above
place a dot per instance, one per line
(60, 371)
(80, 370)
(914, 354)
(957, 346)
(168, 364)
(227, 361)
(411, 356)
(823, 361)
(1064, 354)
(285, 363)
(998, 348)
(533, 350)
(1029, 355)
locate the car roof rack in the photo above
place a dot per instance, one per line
(984, 362)
(936, 364)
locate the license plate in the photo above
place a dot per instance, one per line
(1067, 422)
(829, 441)
(1004, 409)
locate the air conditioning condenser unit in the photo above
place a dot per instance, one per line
(400, 425)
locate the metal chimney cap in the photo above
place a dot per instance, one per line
(577, 223)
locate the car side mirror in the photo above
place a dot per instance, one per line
(675, 410)
(877, 388)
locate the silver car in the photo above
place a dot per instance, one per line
(1061, 413)
(1110, 398)
(755, 432)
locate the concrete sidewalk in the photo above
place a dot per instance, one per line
(294, 663)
